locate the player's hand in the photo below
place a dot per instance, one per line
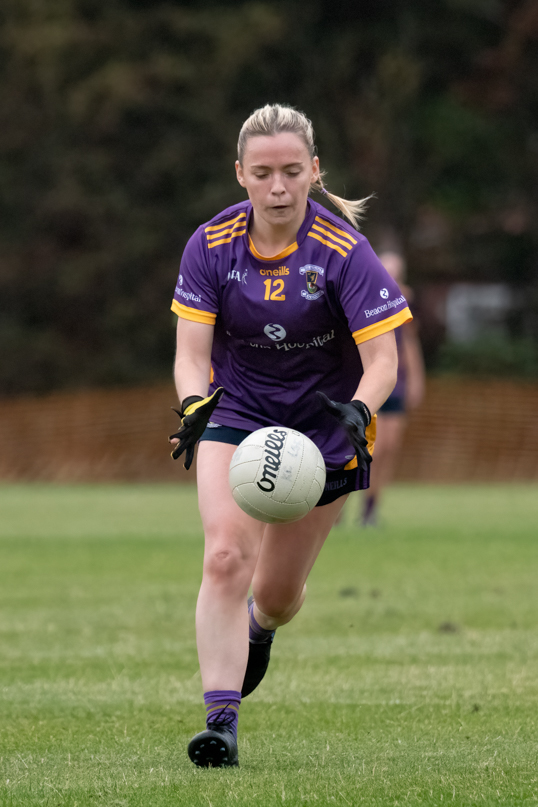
(354, 417)
(195, 413)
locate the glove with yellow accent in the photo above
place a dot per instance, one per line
(195, 413)
(355, 417)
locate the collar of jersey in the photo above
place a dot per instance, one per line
(303, 229)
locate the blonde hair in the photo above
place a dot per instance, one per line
(273, 119)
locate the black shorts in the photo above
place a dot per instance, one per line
(394, 405)
(337, 483)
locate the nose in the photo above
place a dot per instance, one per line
(277, 187)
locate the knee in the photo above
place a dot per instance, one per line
(227, 565)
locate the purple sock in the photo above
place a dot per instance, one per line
(369, 510)
(222, 708)
(255, 632)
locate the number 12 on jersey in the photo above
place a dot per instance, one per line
(274, 289)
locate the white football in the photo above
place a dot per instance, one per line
(277, 475)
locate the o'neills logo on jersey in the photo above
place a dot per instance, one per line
(282, 270)
(272, 458)
(311, 271)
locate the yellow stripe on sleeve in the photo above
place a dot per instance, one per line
(330, 235)
(227, 223)
(221, 233)
(212, 244)
(193, 314)
(336, 230)
(328, 244)
(377, 328)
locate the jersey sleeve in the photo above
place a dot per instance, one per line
(196, 294)
(371, 300)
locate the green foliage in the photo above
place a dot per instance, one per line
(409, 676)
(117, 129)
(492, 356)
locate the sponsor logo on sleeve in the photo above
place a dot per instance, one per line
(372, 312)
(311, 271)
(275, 332)
(188, 295)
(180, 280)
(384, 294)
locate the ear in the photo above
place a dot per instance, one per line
(239, 174)
(315, 170)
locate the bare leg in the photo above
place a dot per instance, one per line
(239, 550)
(287, 554)
(232, 541)
(390, 431)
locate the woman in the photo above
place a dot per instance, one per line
(406, 395)
(273, 297)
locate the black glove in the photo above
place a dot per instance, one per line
(354, 417)
(195, 414)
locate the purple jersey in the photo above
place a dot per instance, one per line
(287, 325)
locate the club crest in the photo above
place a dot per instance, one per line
(313, 292)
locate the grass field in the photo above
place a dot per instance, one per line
(409, 678)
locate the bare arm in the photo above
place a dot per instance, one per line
(379, 358)
(380, 364)
(193, 358)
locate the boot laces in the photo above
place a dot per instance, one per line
(222, 719)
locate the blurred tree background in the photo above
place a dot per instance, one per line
(118, 124)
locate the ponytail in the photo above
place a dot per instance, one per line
(354, 210)
(273, 119)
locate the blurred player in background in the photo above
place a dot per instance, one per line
(278, 301)
(406, 395)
